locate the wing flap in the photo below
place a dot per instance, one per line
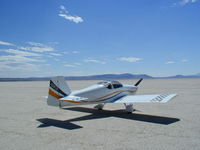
(146, 98)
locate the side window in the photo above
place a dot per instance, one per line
(109, 86)
(117, 86)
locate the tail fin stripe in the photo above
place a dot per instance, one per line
(52, 93)
(53, 86)
(58, 88)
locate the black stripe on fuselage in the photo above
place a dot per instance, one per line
(53, 86)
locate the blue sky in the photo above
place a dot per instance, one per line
(86, 37)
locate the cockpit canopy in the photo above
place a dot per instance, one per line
(111, 84)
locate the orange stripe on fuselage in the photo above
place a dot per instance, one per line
(100, 98)
(96, 100)
(71, 101)
(52, 93)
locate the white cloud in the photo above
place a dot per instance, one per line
(6, 43)
(78, 64)
(20, 60)
(64, 13)
(95, 61)
(184, 2)
(36, 44)
(184, 60)
(70, 52)
(39, 49)
(75, 19)
(75, 52)
(36, 47)
(63, 9)
(17, 62)
(69, 65)
(130, 59)
(21, 53)
(23, 48)
(169, 62)
(17, 58)
(55, 54)
(14, 66)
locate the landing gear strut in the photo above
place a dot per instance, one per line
(129, 108)
(99, 106)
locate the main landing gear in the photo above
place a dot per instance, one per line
(129, 107)
(99, 106)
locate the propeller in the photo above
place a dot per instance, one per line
(136, 84)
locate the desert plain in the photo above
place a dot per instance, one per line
(27, 122)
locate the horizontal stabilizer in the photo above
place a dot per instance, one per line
(146, 98)
(73, 99)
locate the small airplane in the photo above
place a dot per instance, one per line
(100, 94)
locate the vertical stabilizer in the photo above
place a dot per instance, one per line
(58, 88)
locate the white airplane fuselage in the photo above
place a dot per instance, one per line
(97, 94)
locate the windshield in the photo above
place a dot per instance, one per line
(111, 84)
(116, 84)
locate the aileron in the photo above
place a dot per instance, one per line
(146, 98)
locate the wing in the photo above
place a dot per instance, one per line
(145, 98)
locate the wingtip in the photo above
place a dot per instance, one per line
(169, 97)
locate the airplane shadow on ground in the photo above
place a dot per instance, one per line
(98, 114)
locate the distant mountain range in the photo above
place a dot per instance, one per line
(101, 77)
